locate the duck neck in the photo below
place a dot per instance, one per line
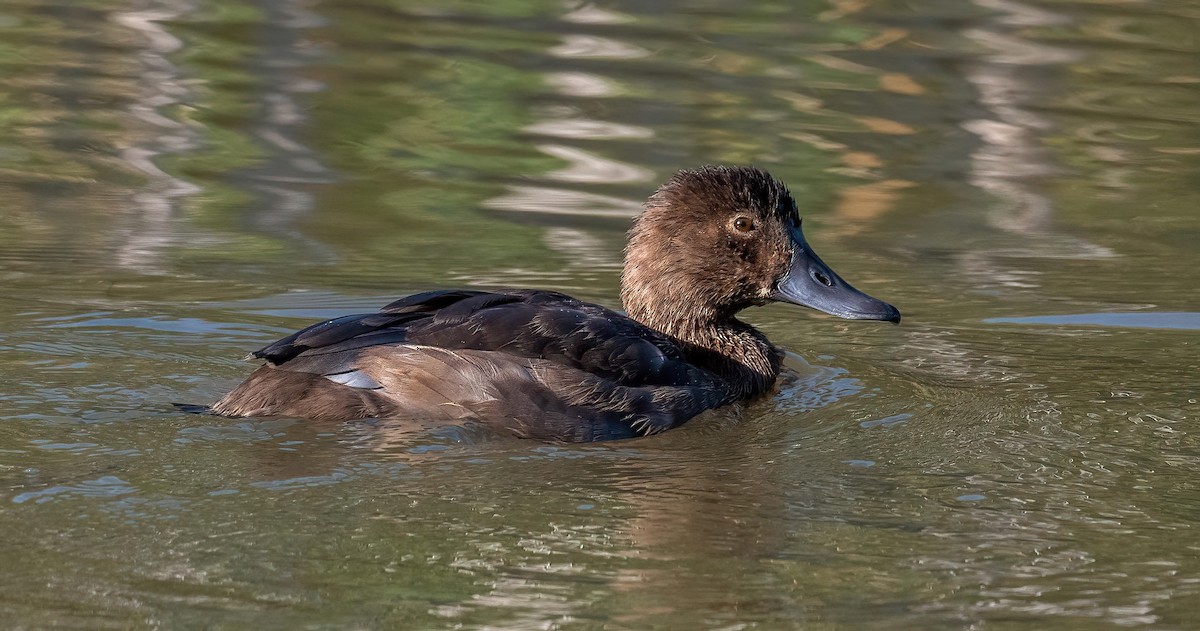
(713, 339)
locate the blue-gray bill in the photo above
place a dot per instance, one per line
(810, 283)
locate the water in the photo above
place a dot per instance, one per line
(183, 182)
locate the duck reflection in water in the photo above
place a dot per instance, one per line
(539, 364)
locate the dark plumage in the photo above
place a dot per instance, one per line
(541, 364)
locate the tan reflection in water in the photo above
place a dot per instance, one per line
(591, 46)
(862, 204)
(583, 166)
(1012, 161)
(591, 14)
(152, 226)
(581, 84)
(590, 168)
(587, 129)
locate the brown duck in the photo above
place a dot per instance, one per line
(540, 364)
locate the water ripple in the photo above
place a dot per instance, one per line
(105, 486)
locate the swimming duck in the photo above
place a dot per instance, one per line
(540, 364)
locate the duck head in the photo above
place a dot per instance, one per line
(715, 240)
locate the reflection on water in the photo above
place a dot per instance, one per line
(1012, 162)
(184, 182)
(1185, 320)
(155, 214)
(284, 165)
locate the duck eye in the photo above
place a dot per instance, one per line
(743, 224)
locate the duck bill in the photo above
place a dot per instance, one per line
(810, 283)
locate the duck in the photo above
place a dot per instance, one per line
(539, 364)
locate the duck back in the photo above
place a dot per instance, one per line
(538, 364)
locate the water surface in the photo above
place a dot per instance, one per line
(182, 182)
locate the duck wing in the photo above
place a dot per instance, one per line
(537, 363)
(388, 326)
(531, 324)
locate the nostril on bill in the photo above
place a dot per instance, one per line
(821, 278)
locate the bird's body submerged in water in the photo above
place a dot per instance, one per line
(541, 364)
